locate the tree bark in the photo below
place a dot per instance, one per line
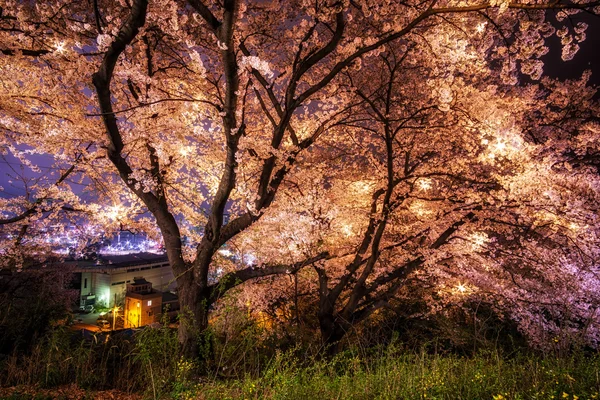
(193, 316)
(332, 332)
(335, 324)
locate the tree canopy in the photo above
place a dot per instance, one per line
(367, 145)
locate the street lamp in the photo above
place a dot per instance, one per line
(115, 311)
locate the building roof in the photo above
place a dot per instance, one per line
(108, 263)
(168, 297)
(144, 295)
(139, 281)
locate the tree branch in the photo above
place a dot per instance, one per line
(25, 52)
(233, 279)
(206, 14)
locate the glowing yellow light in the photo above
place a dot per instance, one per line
(420, 209)
(347, 230)
(479, 239)
(500, 146)
(60, 47)
(362, 187)
(481, 27)
(424, 184)
(114, 212)
(461, 288)
(185, 150)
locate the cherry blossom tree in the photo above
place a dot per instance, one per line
(446, 193)
(454, 189)
(205, 119)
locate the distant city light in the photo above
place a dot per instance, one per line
(71, 241)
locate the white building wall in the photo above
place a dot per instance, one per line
(161, 277)
(109, 282)
(86, 283)
(102, 290)
(87, 287)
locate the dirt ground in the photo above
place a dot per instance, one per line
(70, 392)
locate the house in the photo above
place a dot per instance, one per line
(143, 305)
(102, 279)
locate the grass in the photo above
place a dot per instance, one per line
(393, 375)
(148, 366)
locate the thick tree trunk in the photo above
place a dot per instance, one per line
(193, 317)
(332, 332)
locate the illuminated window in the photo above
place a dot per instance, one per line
(149, 303)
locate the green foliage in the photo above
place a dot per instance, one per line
(241, 361)
(235, 344)
(465, 330)
(146, 361)
(400, 375)
(156, 352)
